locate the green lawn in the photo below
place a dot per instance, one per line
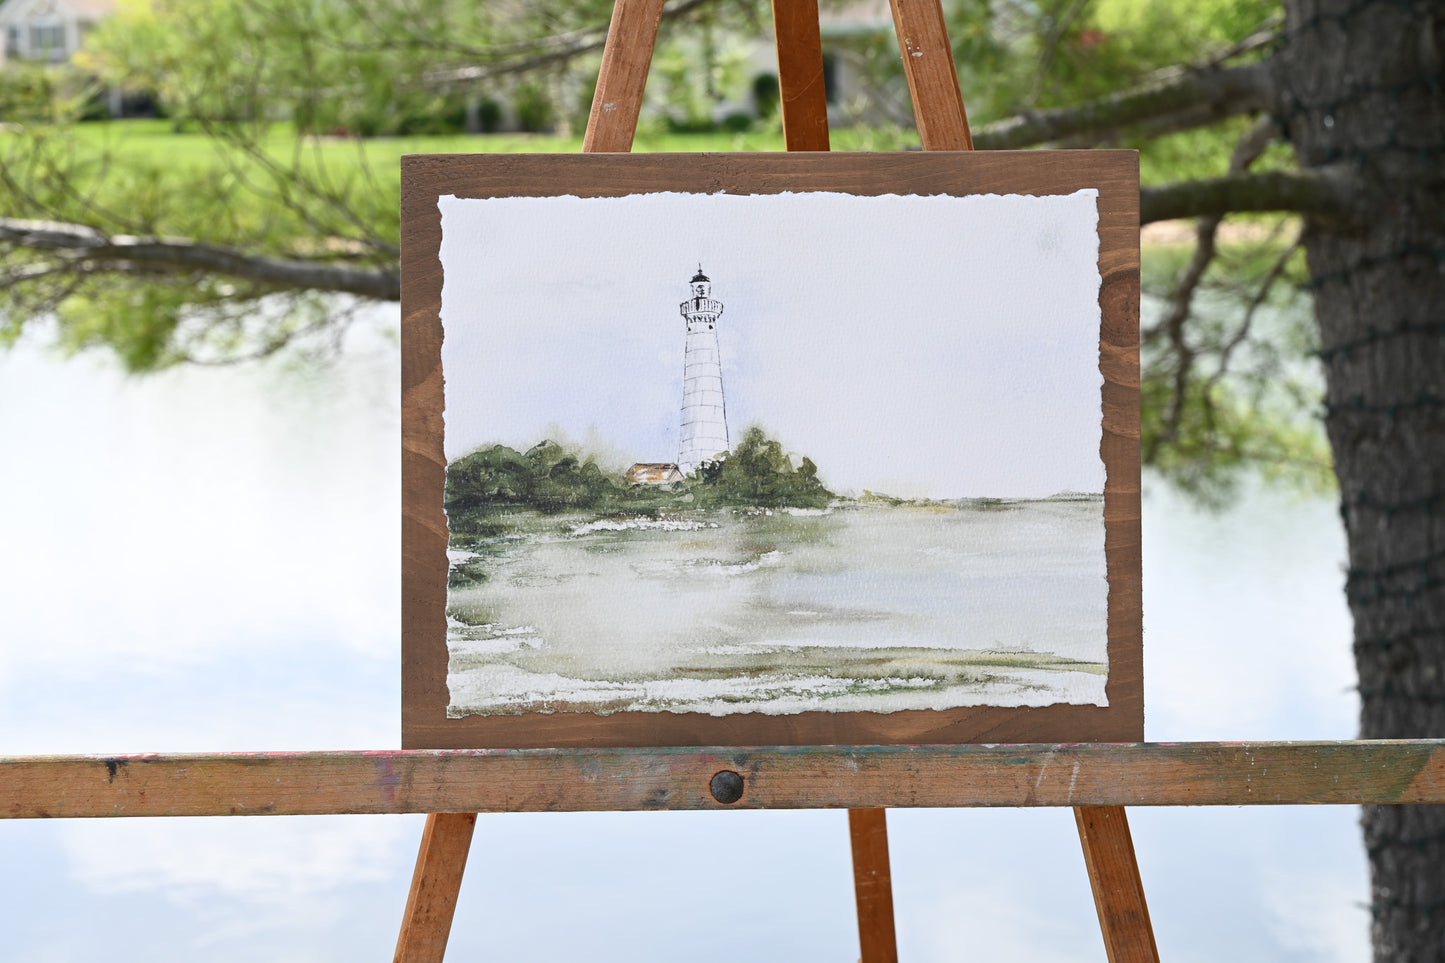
(276, 192)
(1181, 156)
(157, 140)
(298, 188)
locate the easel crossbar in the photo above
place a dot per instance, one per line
(795, 777)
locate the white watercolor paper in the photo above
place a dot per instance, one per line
(935, 358)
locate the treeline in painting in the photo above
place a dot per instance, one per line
(550, 479)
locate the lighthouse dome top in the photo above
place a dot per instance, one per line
(699, 276)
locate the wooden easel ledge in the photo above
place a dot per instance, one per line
(797, 777)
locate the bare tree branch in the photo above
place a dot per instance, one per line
(1226, 352)
(1259, 38)
(544, 53)
(88, 248)
(1322, 192)
(1325, 192)
(36, 272)
(1254, 143)
(550, 46)
(1205, 96)
(1192, 118)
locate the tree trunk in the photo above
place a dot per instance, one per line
(1360, 86)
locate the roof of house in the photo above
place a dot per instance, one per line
(857, 17)
(654, 472)
(91, 8)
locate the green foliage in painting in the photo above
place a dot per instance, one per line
(760, 473)
(545, 478)
(551, 479)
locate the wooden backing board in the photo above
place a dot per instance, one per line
(424, 536)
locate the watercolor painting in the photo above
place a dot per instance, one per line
(773, 453)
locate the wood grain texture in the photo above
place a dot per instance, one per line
(783, 777)
(626, 58)
(435, 883)
(800, 74)
(1114, 876)
(424, 539)
(873, 885)
(932, 77)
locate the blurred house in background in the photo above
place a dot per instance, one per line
(734, 77)
(48, 31)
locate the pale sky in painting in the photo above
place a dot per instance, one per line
(922, 346)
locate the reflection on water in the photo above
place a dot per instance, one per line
(853, 609)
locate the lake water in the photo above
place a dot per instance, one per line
(856, 608)
(224, 574)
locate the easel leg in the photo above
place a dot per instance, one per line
(932, 77)
(1118, 893)
(617, 102)
(873, 885)
(434, 887)
(611, 126)
(800, 74)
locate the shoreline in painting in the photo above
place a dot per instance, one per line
(870, 604)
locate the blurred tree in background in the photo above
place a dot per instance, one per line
(1304, 142)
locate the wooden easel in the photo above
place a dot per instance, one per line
(942, 125)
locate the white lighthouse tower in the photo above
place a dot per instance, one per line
(704, 417)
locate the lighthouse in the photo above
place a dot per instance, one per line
(704, 417)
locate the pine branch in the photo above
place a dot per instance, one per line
(1323, 192)
(87, 249)
(1253, 144)
(1204, 96)
(543, 53)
